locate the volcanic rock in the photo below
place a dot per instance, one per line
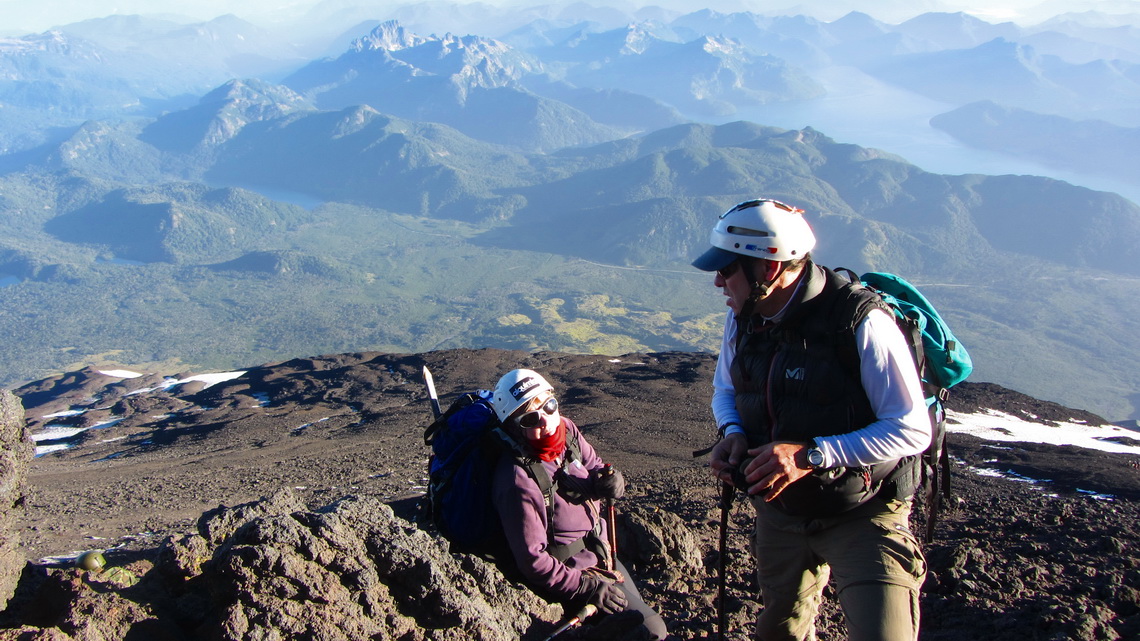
(282, 504)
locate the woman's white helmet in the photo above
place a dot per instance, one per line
(761, 228)
(515, 389)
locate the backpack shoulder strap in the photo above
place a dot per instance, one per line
(849, 312)
(549, 487)
(439, 423)
(537, 473)
(573, 448)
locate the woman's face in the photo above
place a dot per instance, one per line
(539, 418)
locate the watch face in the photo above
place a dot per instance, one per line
(815, 457)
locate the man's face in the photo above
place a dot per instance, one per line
(734, 284)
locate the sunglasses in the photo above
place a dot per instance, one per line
(729, 270)
(533, 418)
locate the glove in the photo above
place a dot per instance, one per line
(608, 483)
(604, 595)
(612, 576)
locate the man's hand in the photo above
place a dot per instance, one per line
(775, 466)
(727, 455)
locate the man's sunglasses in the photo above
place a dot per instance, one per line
(533, 418)
(729, 269)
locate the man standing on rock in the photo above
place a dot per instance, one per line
(822, 418)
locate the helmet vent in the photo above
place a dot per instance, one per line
(744, 231)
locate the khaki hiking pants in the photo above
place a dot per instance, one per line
(875, 561)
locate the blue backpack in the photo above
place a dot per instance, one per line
(942, 363)
(466, 443)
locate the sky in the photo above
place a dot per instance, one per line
(35, 16)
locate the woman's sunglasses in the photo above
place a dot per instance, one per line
(533, 418)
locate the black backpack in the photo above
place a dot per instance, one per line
(466, 443)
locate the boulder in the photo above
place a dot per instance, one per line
(272, 569)
(15, 457)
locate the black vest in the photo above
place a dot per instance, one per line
(799, 378)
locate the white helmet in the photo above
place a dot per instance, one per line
(515, 389)
(761, 228)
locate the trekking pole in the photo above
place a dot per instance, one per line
(612, 518)
(727, 494)
(429, 382)
(611, 523)
(582, 615)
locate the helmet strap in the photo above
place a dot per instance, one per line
(772, 271)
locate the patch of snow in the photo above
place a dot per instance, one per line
(57, 433)
(64, 413)
(1096, 495)
(301, 428)
(48, 449)
(119, 373)
(213, 379)
(993, 425)
(209, 380)
(62, 559)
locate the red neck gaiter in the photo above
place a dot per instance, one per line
(549, 448)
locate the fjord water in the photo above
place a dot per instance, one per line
(865, 111)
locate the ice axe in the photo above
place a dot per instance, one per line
(582, 615)
(429, 382)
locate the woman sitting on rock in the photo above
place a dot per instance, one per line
(561, 547)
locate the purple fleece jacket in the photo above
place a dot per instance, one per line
(523, 512)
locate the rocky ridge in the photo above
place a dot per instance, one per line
(281, 503)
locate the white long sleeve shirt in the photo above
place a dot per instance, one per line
(886, 367)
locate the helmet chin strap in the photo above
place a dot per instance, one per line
(772, 272)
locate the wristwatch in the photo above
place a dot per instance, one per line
(815, 456)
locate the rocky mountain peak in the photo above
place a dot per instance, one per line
(388, 36)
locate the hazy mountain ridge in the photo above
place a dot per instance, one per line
(1016, 75)
(430, 236)
(638, 202)
(221, 114)
(178, 223)
(781, 48)
(471, 83)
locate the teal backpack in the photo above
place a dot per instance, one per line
(942, 363)
(946, 361)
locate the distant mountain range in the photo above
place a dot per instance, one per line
(1017, 75)
(541, 190)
